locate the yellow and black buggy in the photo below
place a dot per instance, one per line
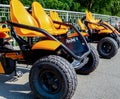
(102, 33)
(54, 57)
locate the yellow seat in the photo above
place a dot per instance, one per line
(76, 34)
(44, 21)
(91, 19)
(19, 15)
(83, 28)
(55, 17)
(81, 25)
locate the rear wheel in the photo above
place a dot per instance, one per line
(52, 77)
(90, 66)
(107, 47)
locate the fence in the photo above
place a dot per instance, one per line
(70, 16)
(65, 15)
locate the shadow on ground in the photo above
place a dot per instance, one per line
(15, 88)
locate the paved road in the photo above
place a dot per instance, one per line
(103, 83)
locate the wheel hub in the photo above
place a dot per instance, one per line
(107, 47)
(50, 82)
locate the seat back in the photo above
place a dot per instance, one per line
(19, 14)
(90, 18)
(81, 25)
(54, 16)
(44, 21)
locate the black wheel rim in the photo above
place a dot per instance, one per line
(50, 81)
(106, 47)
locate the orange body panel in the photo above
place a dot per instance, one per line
(76, 34)
(4, 30)
(3, 33)
(73, 35)
(100, 27)
(14, 56)
(46, 45)
(105, 31)
(1, 68)
(84, 34)
(111, 27)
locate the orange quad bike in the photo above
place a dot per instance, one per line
(53, 53)
(70, 36)
(102, 33)
(93, 56)
(51, 75)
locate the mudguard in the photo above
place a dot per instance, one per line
(3, 33)
(105, 31)
(46, 45)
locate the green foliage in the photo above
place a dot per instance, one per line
(111, 7)
(4, 1)
(115, 7)
(58, 4)
(27, 2)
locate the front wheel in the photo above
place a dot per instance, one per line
(52, 77)
(92, 63)
(107, 47)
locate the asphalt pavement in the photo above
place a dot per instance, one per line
(103, 83)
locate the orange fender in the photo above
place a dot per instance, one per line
(105, 31)
(1, 69)
(84, 34)
(3, 33)
(46, 45)
(76, 34)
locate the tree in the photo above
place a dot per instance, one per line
(95, 5)
(4, 1)
(86, 3)
(115, 7)
(58, 4)
(27, 2)
(76, 7)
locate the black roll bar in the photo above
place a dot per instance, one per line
(52, 37)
